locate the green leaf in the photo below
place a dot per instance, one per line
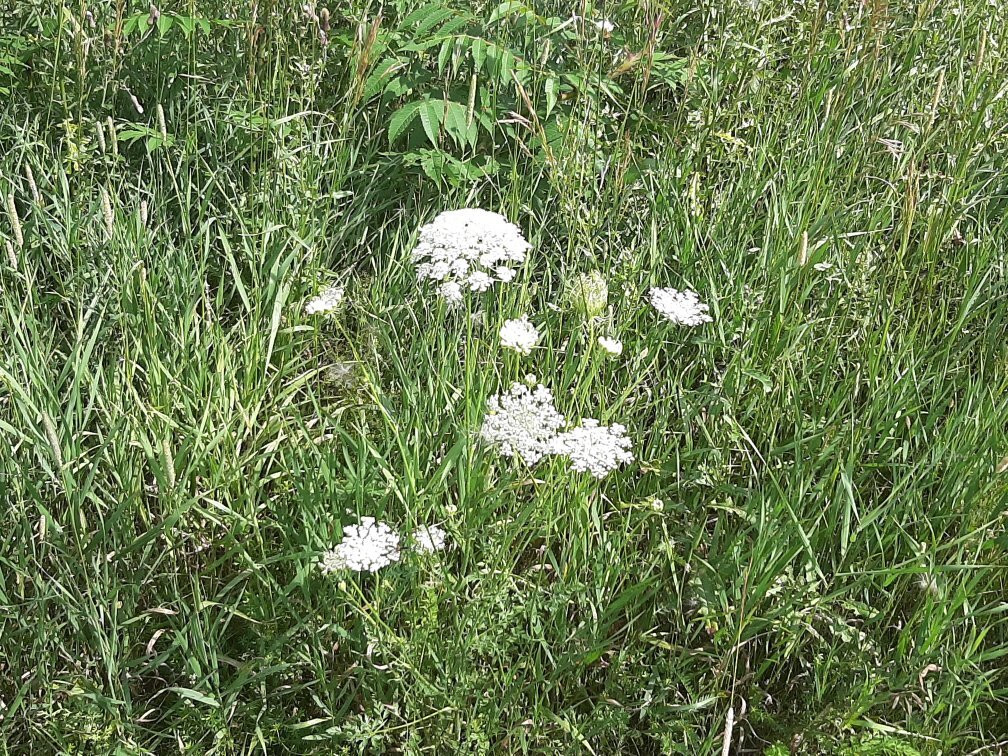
(195, 695)
(380, 77)
(164, 23)
(445, 55)
(511, 8)
(478, 50)
(132, 24)
(187, 24)
(551, 94)
(456, 122)
(431, 115)
(401, 119)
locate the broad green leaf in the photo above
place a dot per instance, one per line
(401, 120)
(478, 50)
(164, 23)
(431, 115)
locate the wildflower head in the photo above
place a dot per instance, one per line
(468, 250)
(522, 422)
(429, 538)
(519, 334)
(682, 307)
(594, 448)
(612, 347)
(327, 302)
(588, 293)
(366, 547)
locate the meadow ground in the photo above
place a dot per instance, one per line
(806, 552)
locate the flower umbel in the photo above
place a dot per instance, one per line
(429, 538)
(366, 547)
(588, 293)
(468, 249)
(519, 335)
(682, 307)
(598, 449)
(327, 301)
(522, 422)
(612, 347)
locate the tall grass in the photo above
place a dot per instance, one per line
(812, 537)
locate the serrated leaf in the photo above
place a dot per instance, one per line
(456, 122)
(377, 81)
(431, 115)
(510, 8)
(401, 120)
(445, 54)
(478, 50)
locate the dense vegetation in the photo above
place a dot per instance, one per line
(807, 553)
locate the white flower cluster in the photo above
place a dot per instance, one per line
(468, 249)
(327, 301)
(429, 538)
(519, 334)
(371, 545)
(612, 347)
(366, 547)
(682, 307)
(523, 422)
(594, 448)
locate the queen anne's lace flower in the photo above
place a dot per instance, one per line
(595, 448)
(366, 547)
(682, 307)
(613, 347)
(331, 561)
(588, 293)
(429, 538)
(327, 301)
(522, 422)
(468, 249)
(519, 334)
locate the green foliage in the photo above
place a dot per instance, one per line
(813, 532)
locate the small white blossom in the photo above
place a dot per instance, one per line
(451, 292)
(479, 281)
(327, 301)
(331, 561)
(605, 26)
(429, 538)
(522, 422)
(613, 347)
(682, 307)
(366, 547)
(598, 449)
(519, 334)
(469, 247)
